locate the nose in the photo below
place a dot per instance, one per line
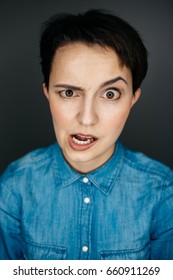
(87, 115)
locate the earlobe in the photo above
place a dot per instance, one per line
(45, 90)
(136, 96)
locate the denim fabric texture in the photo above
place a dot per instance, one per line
(120, 211)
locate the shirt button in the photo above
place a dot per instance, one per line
(87, 200)
(85, 180)
(84, 248)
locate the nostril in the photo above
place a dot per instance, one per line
(87, 116)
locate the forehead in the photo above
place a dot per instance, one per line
(79, 63)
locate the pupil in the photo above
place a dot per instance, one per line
(69, 93)
(110, 94)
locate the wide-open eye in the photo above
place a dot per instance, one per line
(111, 94)
(68, 93)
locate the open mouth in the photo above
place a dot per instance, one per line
(83, 139)
(81, 142)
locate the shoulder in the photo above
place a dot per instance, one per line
(144, 166)
(34, 161)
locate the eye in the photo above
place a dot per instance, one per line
(111, 94)
(68, 93)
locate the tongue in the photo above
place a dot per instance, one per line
(80, 138)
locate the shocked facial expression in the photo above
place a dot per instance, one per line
(90, 97)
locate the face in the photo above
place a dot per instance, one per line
(90, 97)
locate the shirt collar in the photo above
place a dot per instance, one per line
(103, 178)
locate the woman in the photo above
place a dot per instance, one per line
(87, 196)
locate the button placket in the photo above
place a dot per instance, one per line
(86, 214)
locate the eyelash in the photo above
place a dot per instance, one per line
(62, 94)
(113, 90)
(64, 91)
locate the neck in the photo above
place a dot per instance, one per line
(91, 165)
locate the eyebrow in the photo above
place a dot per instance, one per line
(107, 83)
(104, 84)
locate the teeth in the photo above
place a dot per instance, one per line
(85, 137)
(79, 142)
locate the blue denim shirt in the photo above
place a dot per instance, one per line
(122, 210)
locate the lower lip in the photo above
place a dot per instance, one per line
(78, 147)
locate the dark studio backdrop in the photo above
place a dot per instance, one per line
(24, 114)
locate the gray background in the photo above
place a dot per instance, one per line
(24, 114)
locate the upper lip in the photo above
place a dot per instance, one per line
(85, 135)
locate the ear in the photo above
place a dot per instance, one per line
(136, 96)
(45, 90)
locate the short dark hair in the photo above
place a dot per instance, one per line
(94, 27)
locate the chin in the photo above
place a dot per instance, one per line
(80, 158)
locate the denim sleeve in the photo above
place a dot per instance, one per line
(10, 229)
(162, 232)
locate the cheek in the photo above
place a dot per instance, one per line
(122, 117)
(116, 117)
(60, 114)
